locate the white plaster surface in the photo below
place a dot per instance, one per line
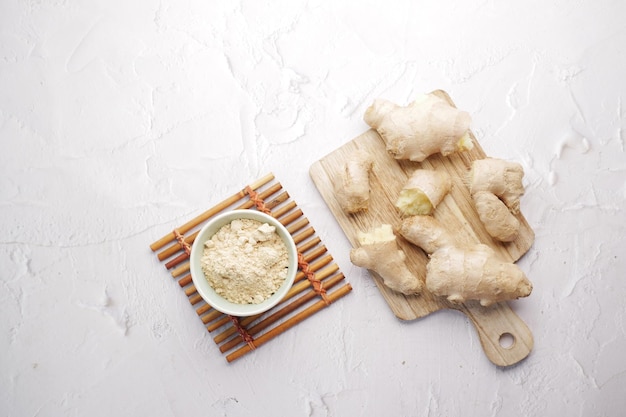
(122, 119)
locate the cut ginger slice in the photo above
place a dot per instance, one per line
(423, 191)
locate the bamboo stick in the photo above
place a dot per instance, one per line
(189, 291)
(283, 210)
(184, 281)
(308, 245)
(180, 270)
(291, 217)
(210, 213)
(298, 318)
(316, 253)
(195, 299)
(315, 266)
(203, 309)
(268, 321)
(281, 198)
(306, 233)
(212, 315)
(171, 250)
(326, 272)
(277, 200)
(296, 289)
(223, 320)
(177, 260)
(263, 195)
(298, 225)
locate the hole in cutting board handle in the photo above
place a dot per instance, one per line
(507, 340)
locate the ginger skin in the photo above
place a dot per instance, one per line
(379, 252)
(499, 177)
(496, 187)
(423, 191)
(353, 187)
(495, 215)
(475, 274)
(427, 233)
(427, 126)
(463, 273)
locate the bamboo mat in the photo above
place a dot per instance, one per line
(236, 336)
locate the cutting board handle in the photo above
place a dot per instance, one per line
(506, 340)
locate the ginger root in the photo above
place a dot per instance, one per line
(495, 215)
(470, 272)
(426, 126)
(379, 252)
(499, 177)
(423, 191)
(353, 187)
(496, 187)
(475, 274)
(427, 233)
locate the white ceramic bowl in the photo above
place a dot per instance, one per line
(208, 293)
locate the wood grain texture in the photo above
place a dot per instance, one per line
(456, 212)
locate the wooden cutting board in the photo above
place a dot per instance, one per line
(494, 324)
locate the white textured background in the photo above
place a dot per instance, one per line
(122, 119)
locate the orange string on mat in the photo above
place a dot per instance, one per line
(181, 241)
(242, 332)
(310, 275)
(258, 202)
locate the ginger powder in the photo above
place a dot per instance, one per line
(245, 262)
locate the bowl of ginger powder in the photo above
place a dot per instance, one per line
(243, 262)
